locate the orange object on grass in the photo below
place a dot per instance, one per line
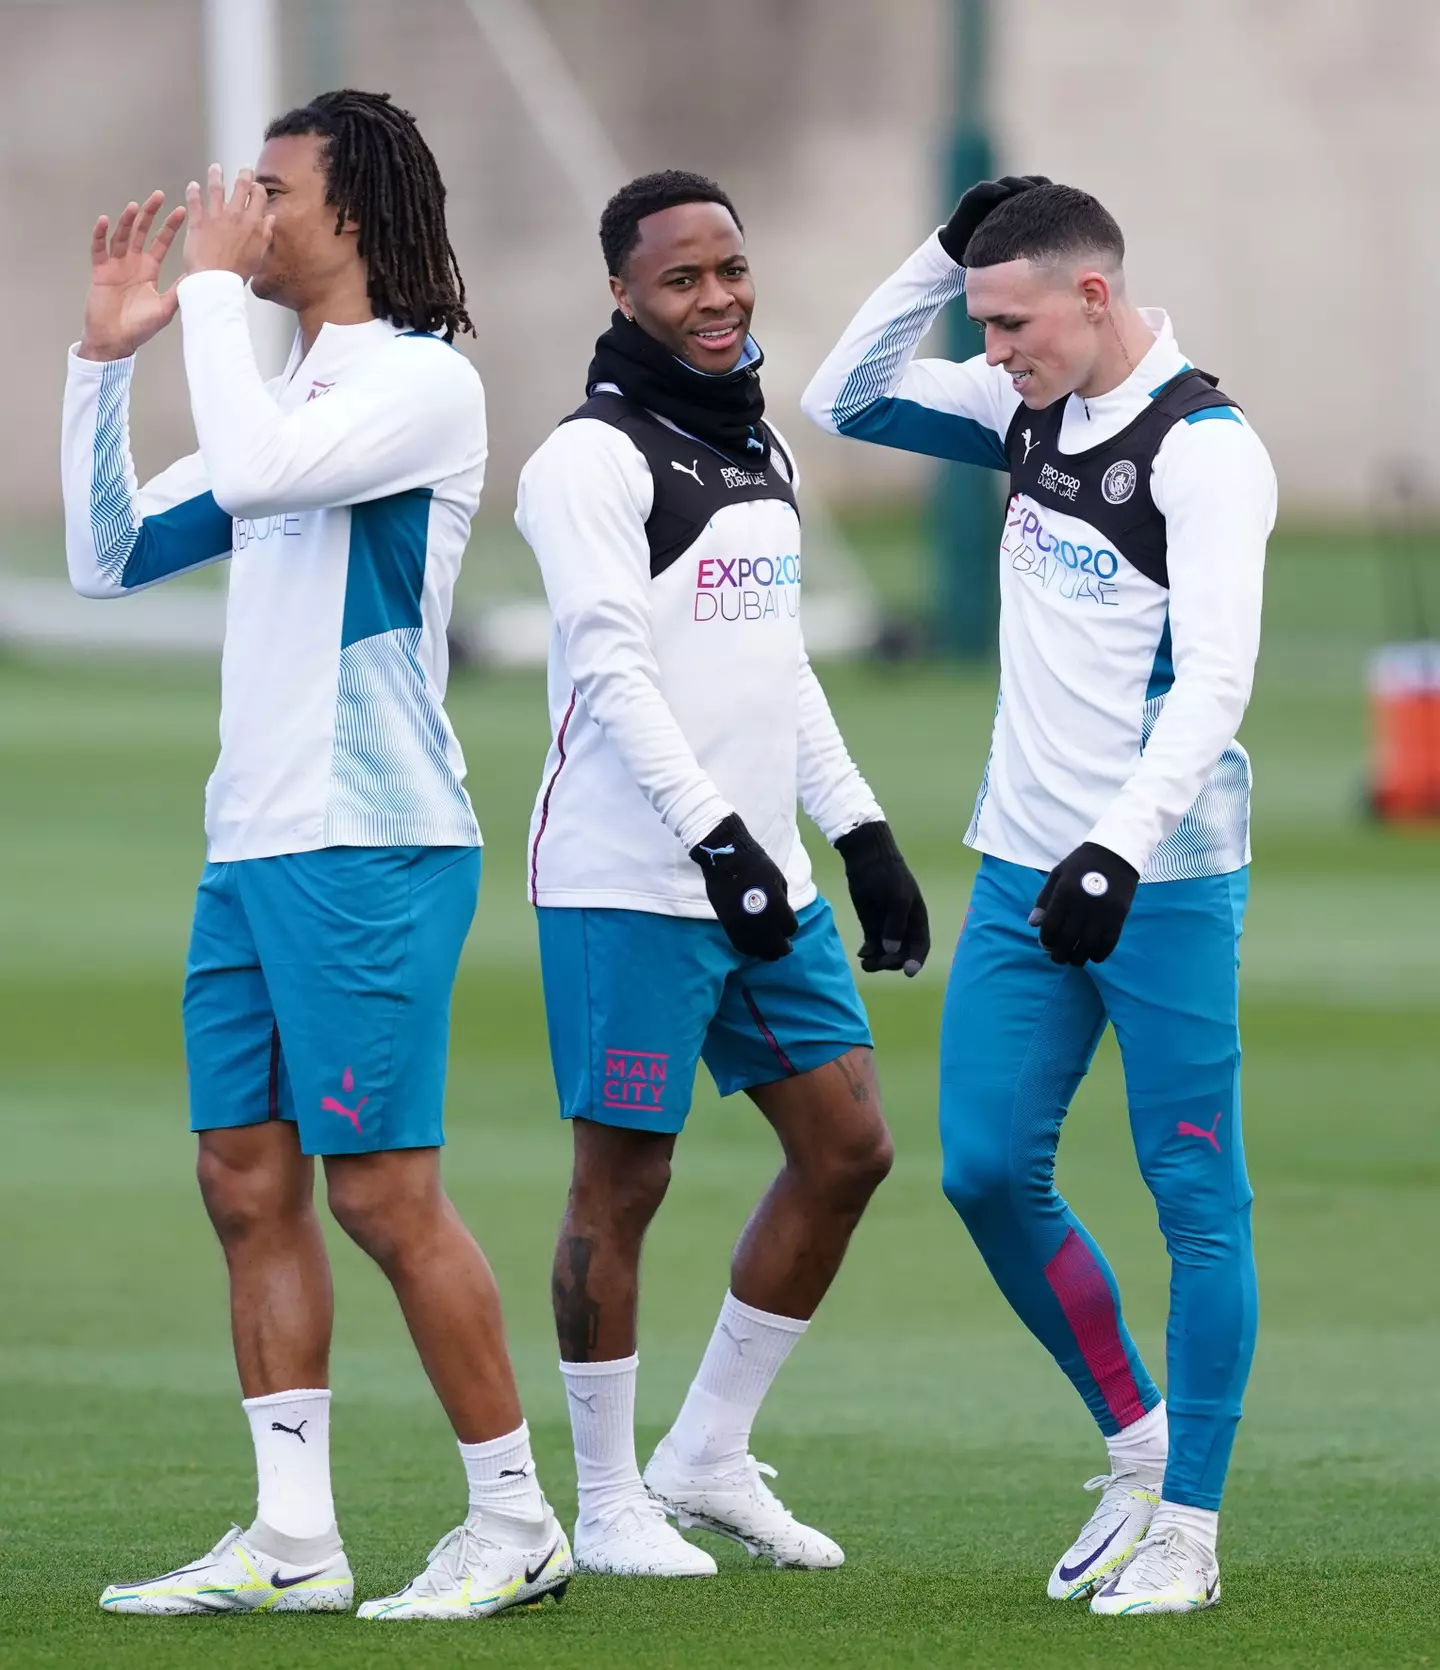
(1405, 716)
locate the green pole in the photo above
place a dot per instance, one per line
(965, 510)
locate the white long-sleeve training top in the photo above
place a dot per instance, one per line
(1119, 701)
(342, 492)
(674, 699)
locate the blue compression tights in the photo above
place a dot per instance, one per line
(1017, 1038)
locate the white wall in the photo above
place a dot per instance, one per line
(1273, 165)
(1270, 160)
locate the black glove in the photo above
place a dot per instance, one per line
(1083, 905)
(892, 914)
(747, 891)
(976, 204)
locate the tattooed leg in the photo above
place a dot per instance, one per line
(837, 1153)
(619, 1180)
(577, 1316)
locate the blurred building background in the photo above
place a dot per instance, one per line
(1271, 165)
(1271, 162)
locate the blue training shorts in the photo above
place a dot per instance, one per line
(635, 1001)
(318, 990)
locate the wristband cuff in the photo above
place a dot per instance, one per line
(868, 840)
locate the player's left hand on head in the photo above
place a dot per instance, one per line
(976, 204)
(887, 900)
(227, 234)
(1083, 905)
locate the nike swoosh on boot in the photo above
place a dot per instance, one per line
(530, 1576)
(1069, 1572)
(278, 1582)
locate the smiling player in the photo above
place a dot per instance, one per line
(343, 854)
(1113, 816)
(678, 918)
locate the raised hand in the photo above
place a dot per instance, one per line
(227, 236)
(125, 305)
(976, 204)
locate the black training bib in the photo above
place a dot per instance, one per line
(1108, 485)
(692, 481)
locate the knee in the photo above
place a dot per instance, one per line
(1199, 1238)
(849, 1171)
(384, 1215)
(622, 1200)
(1204, 1216)
(976, 1179)
(246, 1195)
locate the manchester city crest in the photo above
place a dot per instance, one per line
(1119, 482)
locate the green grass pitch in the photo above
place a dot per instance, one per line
(917, 1421)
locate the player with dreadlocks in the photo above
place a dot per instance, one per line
(381, 175)
(343, 858)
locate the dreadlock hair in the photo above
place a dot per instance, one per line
(381, 174)
(620, 222)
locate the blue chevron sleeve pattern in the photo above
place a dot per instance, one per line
(866, 412)
(871, 387)
(396, 772)
(877, 371)
(1213, 838)
(132, 550)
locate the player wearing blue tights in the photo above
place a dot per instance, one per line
(1018, 1036)
(1113, 818)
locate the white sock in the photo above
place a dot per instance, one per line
(712, 1430)
(601, 1398)
(1142, 1447)
(502, 1480)
(1201, 1525)
(292, 1461)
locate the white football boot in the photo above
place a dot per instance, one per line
(738, 1504)
(467, 1575)
(1109, 1537)
(1169, 1572)
(636, 1540)
(236, 1577)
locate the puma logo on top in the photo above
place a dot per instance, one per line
(690, 470)
(1029, 444)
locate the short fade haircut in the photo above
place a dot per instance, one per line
(1045, 224)
(620, 222)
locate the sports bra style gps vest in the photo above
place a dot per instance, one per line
(693, 482)
(1108, 485)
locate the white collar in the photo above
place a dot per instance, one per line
(337, 343)
(1162, 361)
